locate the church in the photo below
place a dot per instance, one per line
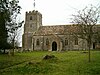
(49, 38)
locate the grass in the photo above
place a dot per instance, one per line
(67, 63)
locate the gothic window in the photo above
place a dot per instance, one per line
(37, 42)
(76, 41)
(30, 17)
(47, 41)
(66, 41)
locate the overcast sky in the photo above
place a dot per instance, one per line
(55, 11)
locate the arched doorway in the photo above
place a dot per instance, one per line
(54, 46)
(94, 45)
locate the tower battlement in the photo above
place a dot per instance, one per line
(33, 12)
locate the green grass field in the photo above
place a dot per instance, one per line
(67, 63)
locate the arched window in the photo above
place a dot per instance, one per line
(30, 17)
(76, 41)
(37, 42)
(66, 41)
(47, 41)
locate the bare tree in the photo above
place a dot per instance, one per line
(85, 21)
(14, 33)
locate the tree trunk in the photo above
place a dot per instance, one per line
(4, 51)
(13, 52)
(89, 54)
(89, 48)
(13, 48)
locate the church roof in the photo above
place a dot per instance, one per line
(61, 30)
(57, 29)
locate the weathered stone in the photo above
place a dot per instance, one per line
(50, 38)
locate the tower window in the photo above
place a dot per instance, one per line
(31, 25)
(76, 41)
(30, 17)
(37, 42)
(47, 41)
(66, 41)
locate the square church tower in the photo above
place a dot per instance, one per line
(33, 20)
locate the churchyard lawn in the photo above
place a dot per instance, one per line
(65, 63)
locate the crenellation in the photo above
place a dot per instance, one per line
(30, 12)
(34, 12)
(26, 12)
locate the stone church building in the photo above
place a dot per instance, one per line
(49, 38)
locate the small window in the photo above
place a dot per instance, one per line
(30, 17)
(37, 42)
(47, 41)
(76, 41)
(66, 41)
(31, 25)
